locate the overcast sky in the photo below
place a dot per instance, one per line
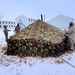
(10, 9)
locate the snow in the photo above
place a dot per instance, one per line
(2, 36)
(14, 65)
(70, 59)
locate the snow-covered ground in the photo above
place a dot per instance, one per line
(13, 65)
(2, 36)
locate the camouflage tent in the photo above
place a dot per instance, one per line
(38, 39)
(41, 31)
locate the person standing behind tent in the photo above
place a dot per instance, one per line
(17, 28)
(71, 33)
(6, 32)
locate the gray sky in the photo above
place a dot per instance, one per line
(10, 9)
